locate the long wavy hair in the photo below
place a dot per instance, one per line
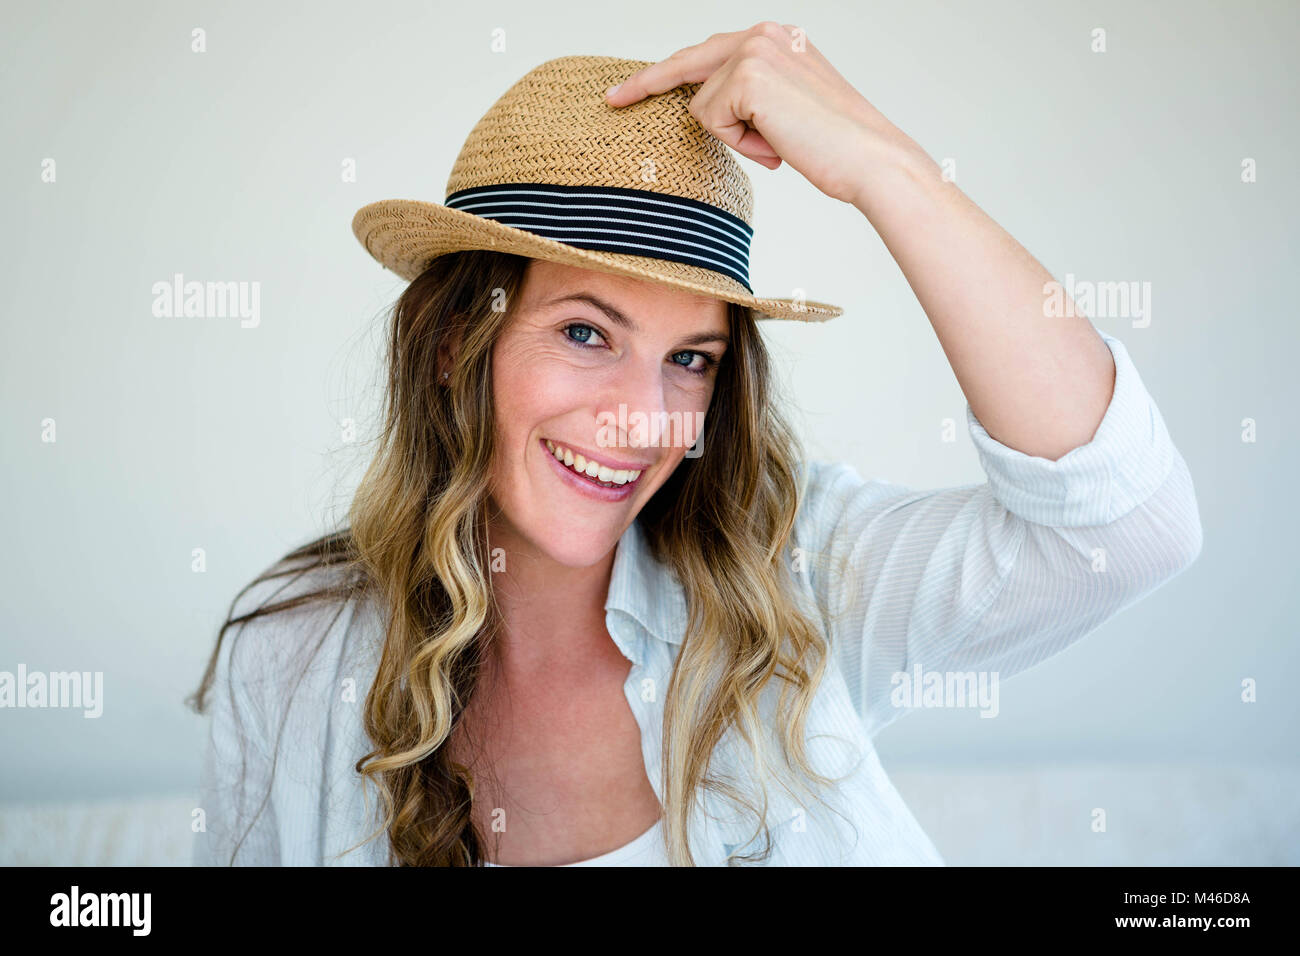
(417, 542)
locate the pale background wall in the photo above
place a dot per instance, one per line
(182, 433)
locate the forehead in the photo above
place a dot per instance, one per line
(546, 281)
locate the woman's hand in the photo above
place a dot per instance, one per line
(769, 94)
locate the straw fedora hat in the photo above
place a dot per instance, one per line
(552, 171)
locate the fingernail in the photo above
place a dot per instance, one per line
(613, 89)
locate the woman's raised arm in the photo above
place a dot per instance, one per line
(1034, 370)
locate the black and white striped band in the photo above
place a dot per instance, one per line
(614, 219)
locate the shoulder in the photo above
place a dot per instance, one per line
(295, 587)
(816, 476)
(822, 477)
(286, 615)
(837, 509)
(829, 489)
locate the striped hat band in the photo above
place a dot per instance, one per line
(636, 222)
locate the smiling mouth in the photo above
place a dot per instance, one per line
(590, 470)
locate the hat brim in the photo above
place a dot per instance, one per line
(405, 235)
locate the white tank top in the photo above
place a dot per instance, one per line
(645, 850)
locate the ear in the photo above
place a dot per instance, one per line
(448, 350)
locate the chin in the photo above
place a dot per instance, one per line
(576, 549)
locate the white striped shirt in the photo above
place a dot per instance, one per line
(985, 579)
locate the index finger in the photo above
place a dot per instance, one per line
(692, 64)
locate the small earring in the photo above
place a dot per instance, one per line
(445, 374)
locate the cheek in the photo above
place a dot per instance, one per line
(694, 408)
(526, 395)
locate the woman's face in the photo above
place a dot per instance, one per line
(595, 364)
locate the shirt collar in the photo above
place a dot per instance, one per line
(646, 590)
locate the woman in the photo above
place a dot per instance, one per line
(551, 635)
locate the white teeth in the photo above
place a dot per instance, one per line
(610, 477)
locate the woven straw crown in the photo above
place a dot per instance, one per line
(552, 171)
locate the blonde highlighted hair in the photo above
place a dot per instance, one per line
(416, 542)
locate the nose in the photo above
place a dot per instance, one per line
(640, 391)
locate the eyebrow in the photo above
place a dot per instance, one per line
(618, 318)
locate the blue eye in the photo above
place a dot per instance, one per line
(709, 362)
(580, 326)
(584, 332)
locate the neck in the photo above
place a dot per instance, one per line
(552, 615)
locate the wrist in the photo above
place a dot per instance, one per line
(896, 165)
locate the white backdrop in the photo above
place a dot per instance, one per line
(175, 434)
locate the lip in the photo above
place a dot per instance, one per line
(585, 487)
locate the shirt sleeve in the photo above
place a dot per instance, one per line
(995, 577)
(239, 816)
